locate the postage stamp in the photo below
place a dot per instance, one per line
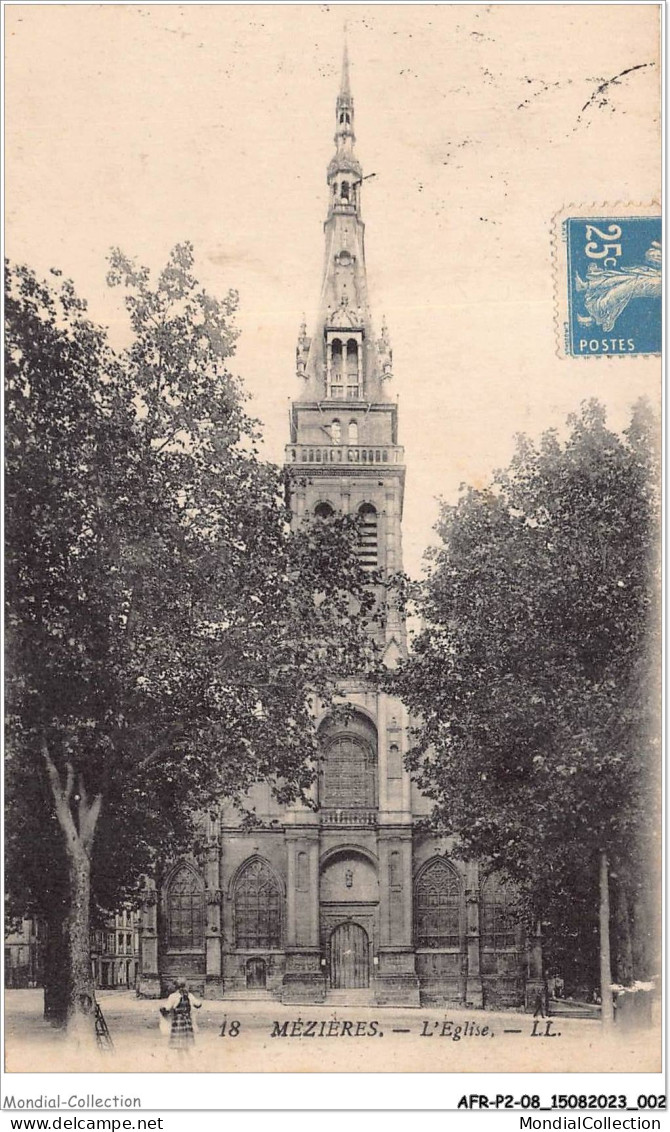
(610, 282)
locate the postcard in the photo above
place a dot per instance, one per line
(332, 542)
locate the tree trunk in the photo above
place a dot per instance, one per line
(79, 837)
(645, 963)
(625, 966)
(81, 1004)
(56, 967)
(607, 1007)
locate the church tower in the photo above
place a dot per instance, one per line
(344, 457)
(352, 900)
(344, 423)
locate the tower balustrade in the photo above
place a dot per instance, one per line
(365, 454)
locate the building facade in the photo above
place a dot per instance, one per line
(115, 956)
(353, 901)
(24, 953)
(115, 951)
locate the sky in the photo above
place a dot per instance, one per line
(141, 126)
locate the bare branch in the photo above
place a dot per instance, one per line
(167, 441)
(83, 796)
(69, 783)
(61, 796)
(88, 820)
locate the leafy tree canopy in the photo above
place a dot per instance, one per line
(166, 629)
(534, 679)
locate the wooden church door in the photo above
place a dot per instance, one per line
(256, 974)
(349, 957)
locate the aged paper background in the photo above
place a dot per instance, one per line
(142, 126)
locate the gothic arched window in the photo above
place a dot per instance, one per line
(185, 912)
(352, 369)
(344, 191)
(438, 906)
(498, 926)
(367, 546)
(349, 774)
(336, 385)
(336, 432)
(353, 432)
(257, 907)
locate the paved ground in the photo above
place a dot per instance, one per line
(272, 1037)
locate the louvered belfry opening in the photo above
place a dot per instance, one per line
(353, 369)
(368, 546)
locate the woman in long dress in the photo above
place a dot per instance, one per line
(179, 1008)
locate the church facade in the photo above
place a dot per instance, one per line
(353, 901)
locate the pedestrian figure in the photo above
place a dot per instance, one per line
(179, 1008)
(539, 1005)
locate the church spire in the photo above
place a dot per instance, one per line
(345, 91)
(344, 165)
(343, 360)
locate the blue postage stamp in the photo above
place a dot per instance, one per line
(613, 285)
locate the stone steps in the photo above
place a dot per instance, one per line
(349, 997)
(249, 995)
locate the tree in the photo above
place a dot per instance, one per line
(536, 679)
(166, 629)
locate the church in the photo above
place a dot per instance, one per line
(353, 902)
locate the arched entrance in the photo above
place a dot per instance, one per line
(256, 974)
(349, 957)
